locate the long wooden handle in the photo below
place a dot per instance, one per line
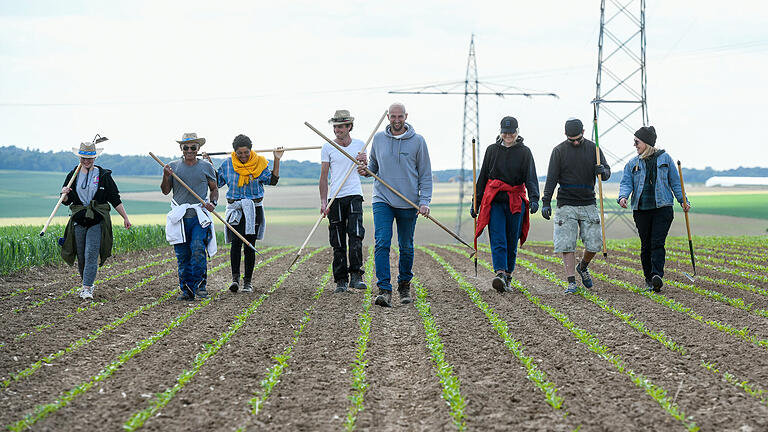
(266, 150)
(181, 182)
(411, 203)
(61, 199)
(599, 181)
(685, 199)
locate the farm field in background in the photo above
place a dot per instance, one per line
(293, 355)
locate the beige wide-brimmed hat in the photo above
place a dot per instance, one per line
(87, 150)
(191, 138)
(341, 117)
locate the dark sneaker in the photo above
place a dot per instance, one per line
(572, 288)
(356, 281)
(404, 289)
(185, 297)
(202, 293)
(247, 287)
(586, 278)
(508, 283)
(499, 283)
(657, 283)
(234, 287)
(384, 299)
(648, 286)
(341, 287)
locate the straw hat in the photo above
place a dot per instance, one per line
(191, 138)
(341, 117)
(87, 150)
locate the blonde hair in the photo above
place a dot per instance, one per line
(649, 151)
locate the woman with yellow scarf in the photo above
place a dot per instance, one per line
(245, 174)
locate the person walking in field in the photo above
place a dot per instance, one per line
(88, 234)
(400, 157)
(345, 215)
(653, 183)
(245, 173)
(572, 166)
(189, 227)
(508, 171)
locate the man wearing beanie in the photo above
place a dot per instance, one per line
(572, 165)
(653, 182)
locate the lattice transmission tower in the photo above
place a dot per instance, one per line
(621, 84)
(471, 126)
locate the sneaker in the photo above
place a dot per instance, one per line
(83, 293)
(202, 293)
(586, 278)
(573, 288)
(404, 290)
(648, 286)
(341, 287)
(508, 283)
(384, 299)
(247, 287)
(657, 283)
(234, 286)
(185, 297)
(356, 281)
(499, 282)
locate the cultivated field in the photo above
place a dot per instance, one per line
(294, 356)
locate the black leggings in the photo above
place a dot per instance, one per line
(653, 226)
(237, 244)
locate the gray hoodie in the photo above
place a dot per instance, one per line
(403, 162)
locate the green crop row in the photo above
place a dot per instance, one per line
(534, 373)
(750, 389)
(592, 342)
(359, 384)
(281, 360)
(42, 411)
(210, 349)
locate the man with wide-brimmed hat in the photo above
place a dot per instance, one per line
(189, 226)
(345, 215)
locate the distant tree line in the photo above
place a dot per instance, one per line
(14, 158)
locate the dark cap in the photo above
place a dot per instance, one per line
(573, 127)
(647, 135)
(508, 125)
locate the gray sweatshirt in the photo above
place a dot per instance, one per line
(403, 162)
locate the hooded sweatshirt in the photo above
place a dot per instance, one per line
(403, 162)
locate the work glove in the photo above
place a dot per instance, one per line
(599, 170)
(534, 206)
(472, 212)
(546, 212)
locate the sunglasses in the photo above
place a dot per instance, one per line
(192, 147)
(575, 140)
(637, 141)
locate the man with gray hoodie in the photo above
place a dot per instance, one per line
(400, 157)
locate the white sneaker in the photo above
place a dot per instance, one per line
(86, 293)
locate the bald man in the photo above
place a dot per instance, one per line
(400, 157)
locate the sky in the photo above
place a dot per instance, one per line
(144, 72)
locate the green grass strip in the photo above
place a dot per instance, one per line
(79, 343)
(281, 360)
(450, 382)
(592, 342)
(359, 384)
(42, 411)
(534, 373)
(210, 349)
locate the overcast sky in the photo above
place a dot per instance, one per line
(144, 72)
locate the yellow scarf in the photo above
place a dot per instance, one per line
(249, 170)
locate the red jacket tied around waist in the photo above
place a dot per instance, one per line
(515, 194)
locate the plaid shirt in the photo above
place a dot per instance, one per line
(253, 190)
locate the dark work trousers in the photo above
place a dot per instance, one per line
(237, 244)
(653, 226)
(345, 217)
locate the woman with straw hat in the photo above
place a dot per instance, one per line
(88, 235)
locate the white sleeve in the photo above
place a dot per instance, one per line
(325, 153)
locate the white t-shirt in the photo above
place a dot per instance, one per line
(340, 164)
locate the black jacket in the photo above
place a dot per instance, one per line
(107, 193)
(573, 167)
(512, 165)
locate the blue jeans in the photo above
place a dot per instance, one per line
(504, 233)
(192, 257)
(383, 215)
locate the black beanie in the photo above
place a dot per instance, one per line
(647, 134)
(573, 127)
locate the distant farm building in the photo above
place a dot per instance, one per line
(736, 181)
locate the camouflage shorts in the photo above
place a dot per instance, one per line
(569, 221)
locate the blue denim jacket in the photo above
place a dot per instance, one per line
(667, 181)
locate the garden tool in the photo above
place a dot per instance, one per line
(687, 225)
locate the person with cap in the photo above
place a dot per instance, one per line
(88, 234)
(345, 215)
(245, 173)
(399, 156)
(572, 165)
(508, 171)
(653, 183)
(189, 224)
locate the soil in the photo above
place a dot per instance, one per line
(404, 391)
